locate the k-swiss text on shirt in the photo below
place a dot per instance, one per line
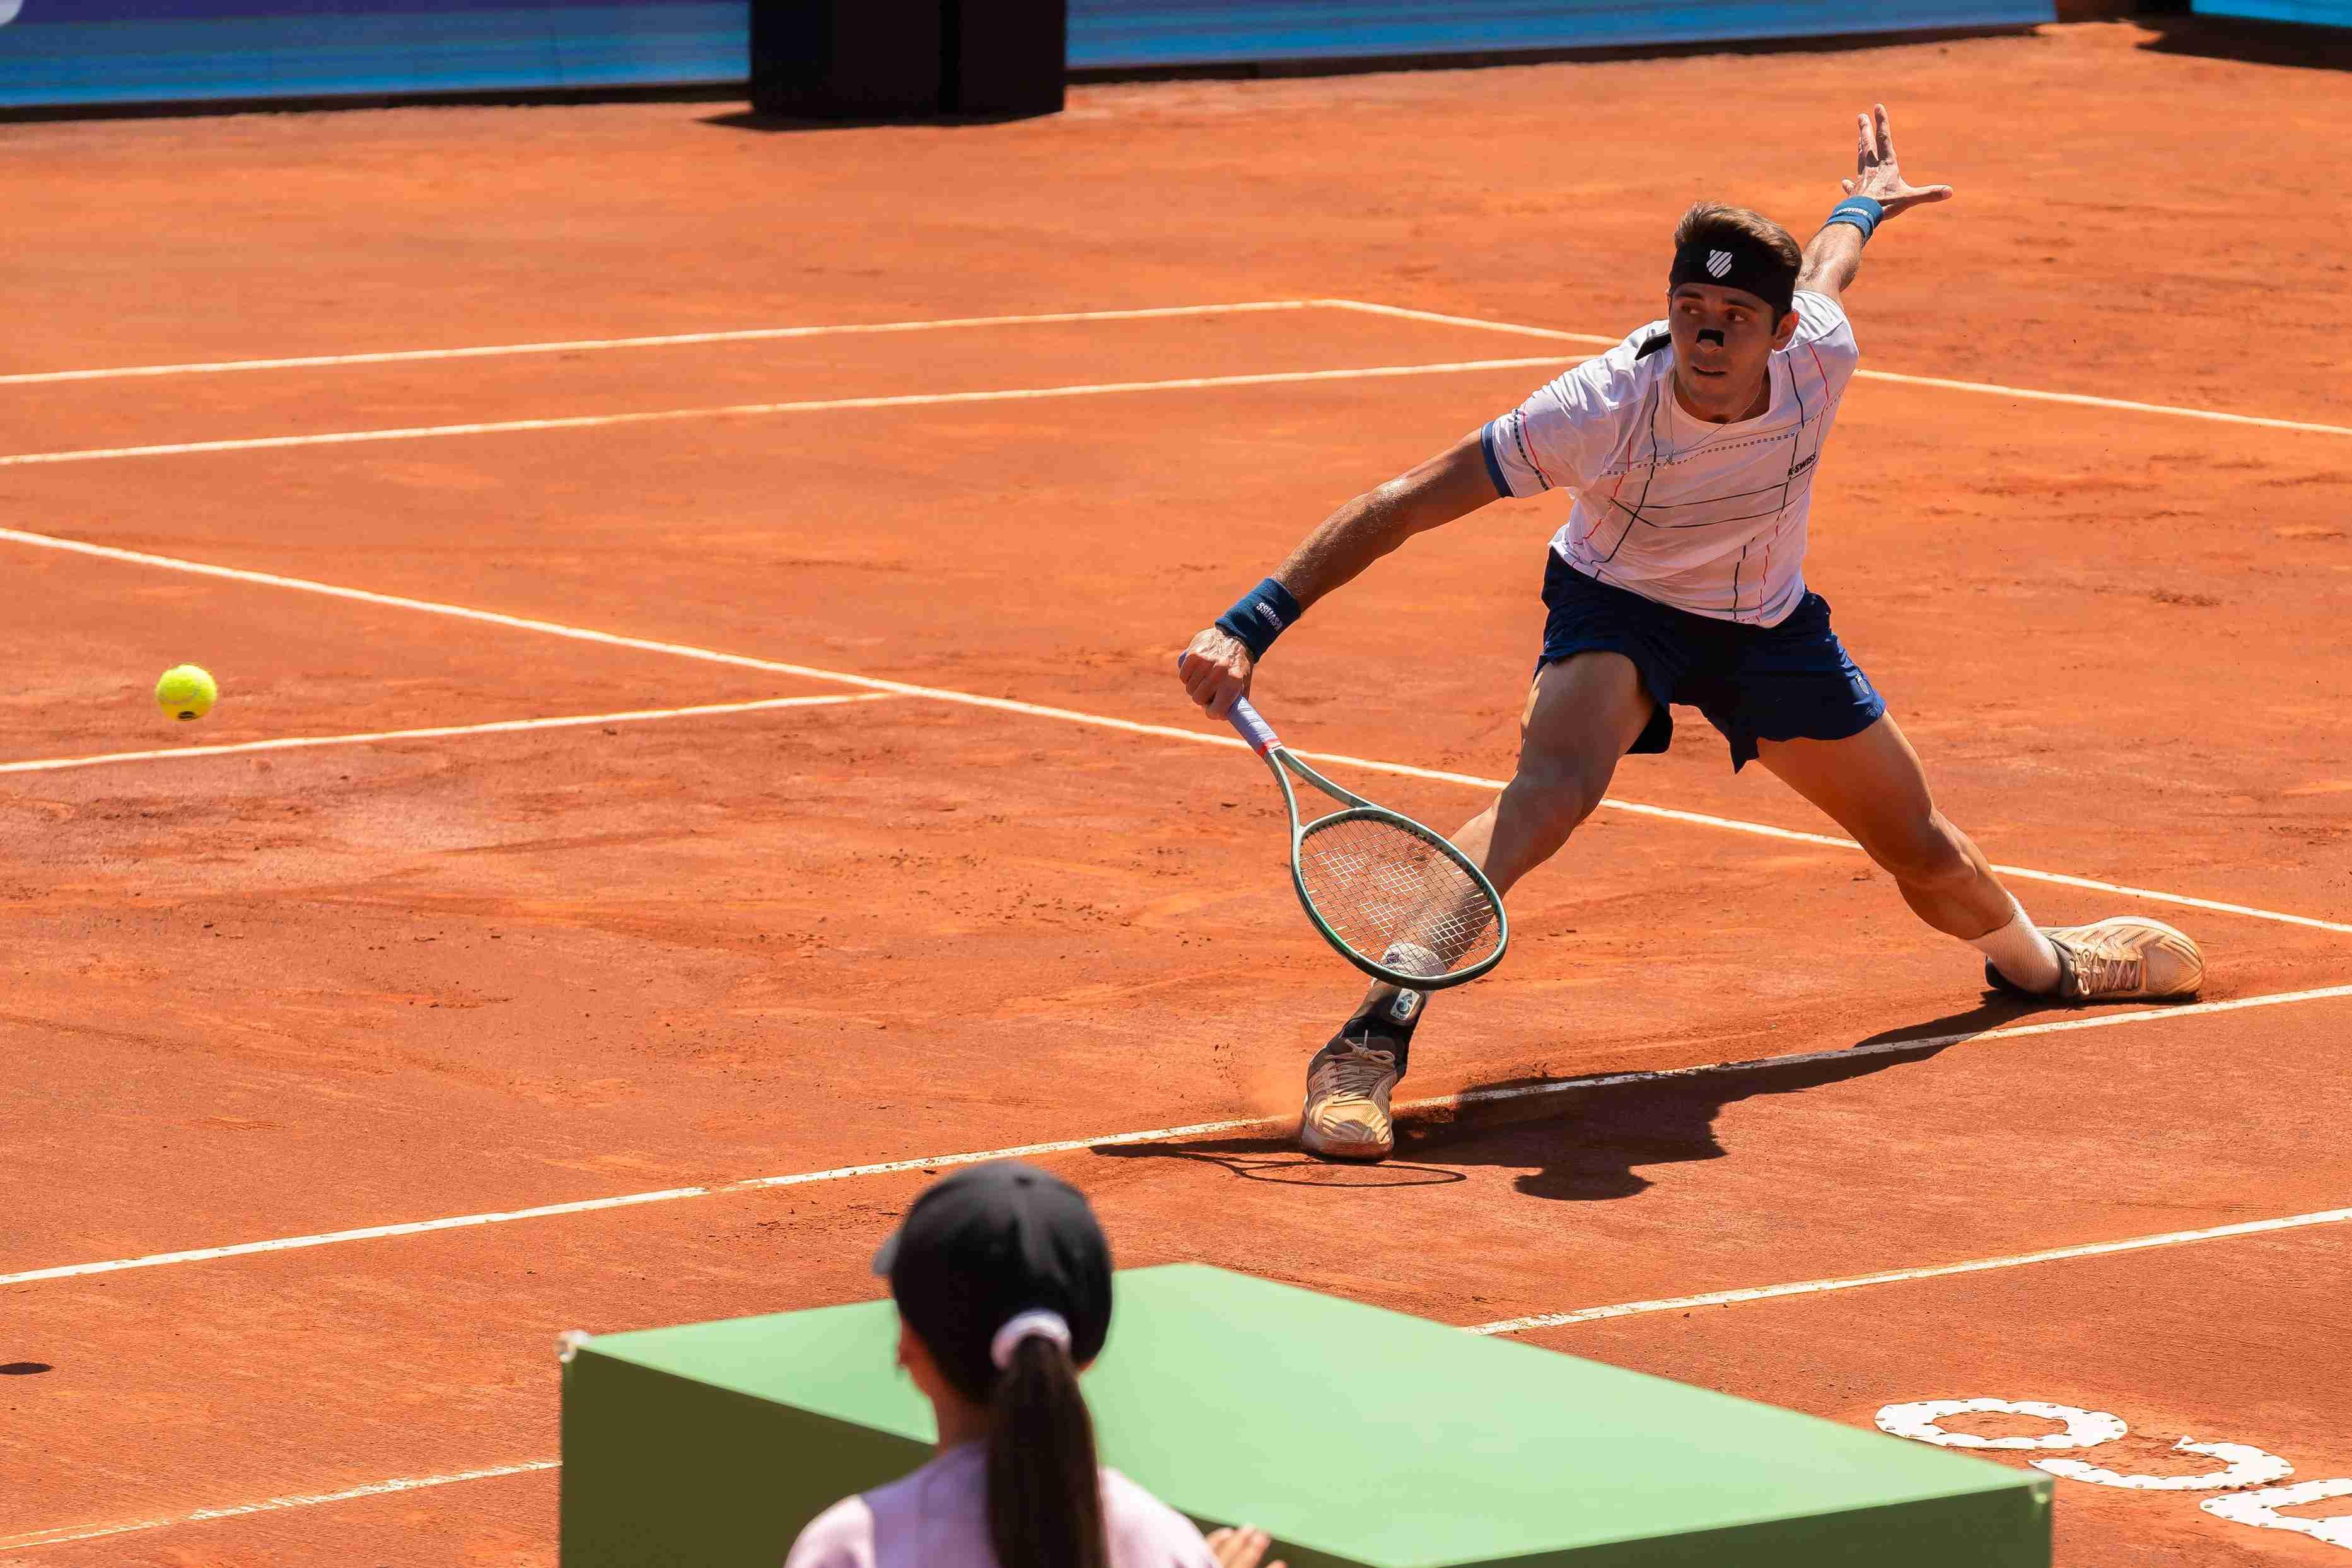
(1706, 518)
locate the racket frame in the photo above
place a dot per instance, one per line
(1281, 761)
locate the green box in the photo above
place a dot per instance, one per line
(1354, 1435)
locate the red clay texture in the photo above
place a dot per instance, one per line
(273, 994)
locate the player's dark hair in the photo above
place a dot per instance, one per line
(1719, 221)
(1045, 1493)
(1738, 249)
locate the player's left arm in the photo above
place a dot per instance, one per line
(1835, 254)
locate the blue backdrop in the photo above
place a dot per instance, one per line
(128, 51)
(2337, 13)
(1193, 32)
(131, 51)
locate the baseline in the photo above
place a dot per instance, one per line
(2030, 394)
(501, 726)
(65, 1535)
(1899, 1276)
(1201, 1129)
(1068, 715)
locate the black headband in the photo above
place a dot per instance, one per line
(1735, 261)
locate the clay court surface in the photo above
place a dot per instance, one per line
(266, 996)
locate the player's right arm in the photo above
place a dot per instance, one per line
(1217, 667)
(1834, 256)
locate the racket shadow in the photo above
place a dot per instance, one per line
(1280, 1161)
(1591, 1145)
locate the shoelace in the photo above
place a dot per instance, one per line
(1356, 1072)
(2098, 973)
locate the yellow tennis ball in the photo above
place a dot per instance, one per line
(187, 692)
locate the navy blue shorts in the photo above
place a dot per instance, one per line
(1790, 682)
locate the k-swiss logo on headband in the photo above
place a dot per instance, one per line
(1718, 262)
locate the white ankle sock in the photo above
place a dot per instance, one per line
(2021, 952)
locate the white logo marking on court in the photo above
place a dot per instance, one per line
(2260, 1508)
(1920, 1420)
(2243, 1466)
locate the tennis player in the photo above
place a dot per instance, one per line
(1002, 1280)
(1690, 451)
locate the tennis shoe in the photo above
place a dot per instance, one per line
(1346, 1112)
(2125, 958)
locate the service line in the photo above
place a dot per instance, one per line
(768, 334)
(753, 409)
(1067, 715)
(665, 341)
(2026, 395)
(502, 726)
(1168, 1134)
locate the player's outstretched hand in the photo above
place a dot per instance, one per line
(1215, 670)
(1874, 171)
(1242, 1548)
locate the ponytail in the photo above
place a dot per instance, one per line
(1044, 1494)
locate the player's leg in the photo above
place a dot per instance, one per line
(1871, 785)
(1796, 701)
(1583, 713)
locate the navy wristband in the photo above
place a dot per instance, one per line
(1861, 212)
(1259, 616)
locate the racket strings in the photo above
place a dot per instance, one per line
(1394, 897)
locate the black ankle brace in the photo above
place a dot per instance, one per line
(1388, 1024)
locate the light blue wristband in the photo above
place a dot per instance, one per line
(1861, 212)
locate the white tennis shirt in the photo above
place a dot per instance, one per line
(1707, 517)
(938, 1518)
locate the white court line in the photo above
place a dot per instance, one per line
(811, 405)
(665, 340)
(2081, 400)
(1070, 715)
(1898, 1276)
(1504, 1326)
(1153, 1135)
(66, 1533)
(628, 1200)
(502, 727)
(760, 334)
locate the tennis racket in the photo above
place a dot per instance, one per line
(1397, 901)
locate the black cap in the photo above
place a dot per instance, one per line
(987, 1244)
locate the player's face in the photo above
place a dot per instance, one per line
(1724, 342)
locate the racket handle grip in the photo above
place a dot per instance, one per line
(1244, 717)
(1253, 729)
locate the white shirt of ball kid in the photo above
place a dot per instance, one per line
(938, 1518)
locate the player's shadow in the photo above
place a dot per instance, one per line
(1584, 1140)
(1277, 1160)
(1590, 1142)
